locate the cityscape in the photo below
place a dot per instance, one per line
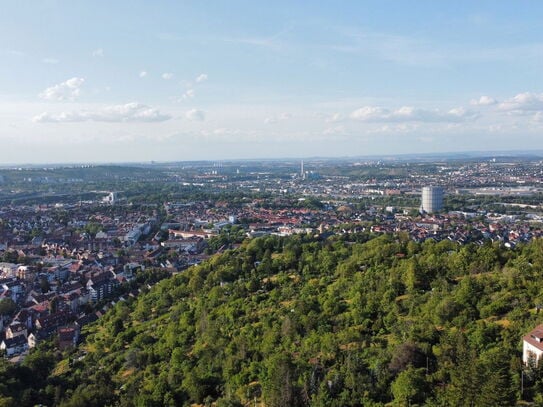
(271, 204)
(75, 240)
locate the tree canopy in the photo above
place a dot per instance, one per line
(301, 321)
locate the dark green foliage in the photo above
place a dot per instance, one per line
(25, 385)
(7, 306)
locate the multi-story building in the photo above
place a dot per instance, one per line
(432, 199)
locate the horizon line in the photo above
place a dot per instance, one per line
(389, 156)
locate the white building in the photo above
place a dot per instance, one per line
(136, 232)
(432, 199)
(111, 198)
(8, 269)
(532, 347)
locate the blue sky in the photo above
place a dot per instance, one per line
(109, 81)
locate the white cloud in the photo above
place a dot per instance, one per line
(68, 90)
(279, 118)
(167, 76)
(99, 53)
(460, 114)
(285, 116)
(51, 61)
(523, 102)
(143, 74)
(411, 114)
(129, 112)
(395, 128)
(12, 53)
(370, 113)
(195, 115)
(335, 131)
(336, 117)
(201, 78)
(189, 94)
(484, 101)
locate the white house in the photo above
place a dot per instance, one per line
(32, 341)
(14, 346)
(532, 346)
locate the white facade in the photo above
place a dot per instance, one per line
(111, 198)
(532, 347)
(432, 199)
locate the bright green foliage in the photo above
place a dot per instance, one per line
(304, 322)
(409, 387)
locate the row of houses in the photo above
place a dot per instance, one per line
(42, 314)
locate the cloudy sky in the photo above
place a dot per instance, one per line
(106, 81)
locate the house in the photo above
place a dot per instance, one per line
(14, 346)
(86, 319)
(101, 286)
(189, 245)
(532, 346)
(52, 321)
(72, 301)
(176, 234)
(8, 269)
(68, 337)
(35, 337)
(16, 329)
(101, 235)
(24, 317)
(12, 287)
(24, 273)
(32, 341)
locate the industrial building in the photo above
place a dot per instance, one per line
(432, 199)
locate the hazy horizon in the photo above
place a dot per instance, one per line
(407, 157)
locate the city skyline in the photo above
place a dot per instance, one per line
(136, 81)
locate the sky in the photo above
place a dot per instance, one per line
(125, 81)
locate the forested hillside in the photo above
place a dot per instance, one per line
(300, 321)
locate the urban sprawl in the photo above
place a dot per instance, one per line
(76, 239)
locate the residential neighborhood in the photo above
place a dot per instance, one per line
(64, 258)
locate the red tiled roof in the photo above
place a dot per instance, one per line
(533, 342)
(537, 332)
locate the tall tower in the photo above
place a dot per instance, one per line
(302, 173)
(432, 199)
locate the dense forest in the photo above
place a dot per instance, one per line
(304, 321)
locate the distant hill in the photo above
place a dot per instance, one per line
(268, 161)
(83, 172)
